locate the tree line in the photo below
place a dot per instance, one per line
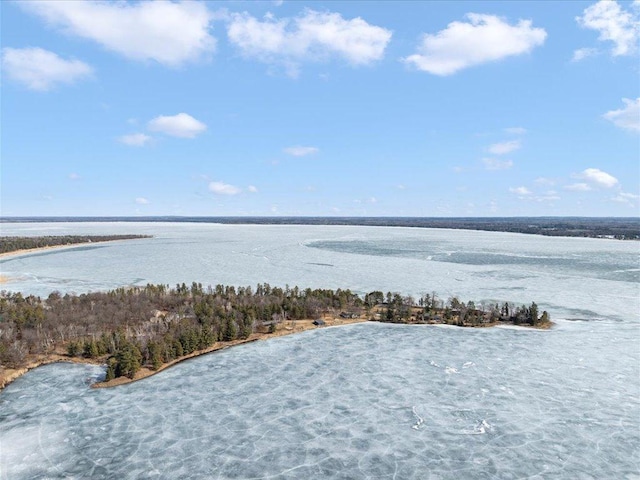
(129, 328)
(151, 325)
(395, 308)
(12, 244)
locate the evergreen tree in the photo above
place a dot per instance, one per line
(90, 349)
(73, 348)
(230, 330)
(128, 359)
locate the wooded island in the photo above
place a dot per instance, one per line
(151, 327)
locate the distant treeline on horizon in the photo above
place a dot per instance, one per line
(624, 228)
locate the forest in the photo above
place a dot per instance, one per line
(128, 328)
(12, 244)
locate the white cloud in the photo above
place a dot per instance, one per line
(504, 147)
(301, 151)
(74, 176)
(597, 177)
(516, 130)
(181, 125)
(252, 189)
(627, 117)
(221, 188)
(484, 38)
(166, 32)
(578, 187)
(40, 69)
(135, 139)
(614, 24)
(142, 201)
(624, 197)
(312, 36)
(495, 164)
(582, 53)
(520, 190)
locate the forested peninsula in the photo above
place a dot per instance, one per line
(140, 330)
(14, 244)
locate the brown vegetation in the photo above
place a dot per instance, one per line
(138, 331)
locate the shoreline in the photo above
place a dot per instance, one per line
(287, 328)
(9, 375)
(26, 251)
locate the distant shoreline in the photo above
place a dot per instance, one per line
(4, 279)
(26, 251)
(622, 228)
(17, 253)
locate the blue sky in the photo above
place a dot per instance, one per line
(320, 108)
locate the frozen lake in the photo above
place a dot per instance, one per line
(363, 401)
(577, 278)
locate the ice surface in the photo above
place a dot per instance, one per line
(362, 401)
(576, 278)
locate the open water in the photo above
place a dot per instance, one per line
(363, 401)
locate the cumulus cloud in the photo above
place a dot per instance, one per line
(40, 69)
(252, 189)
(504, 147)
(627, 117)
(74, 176)
(221, 188)
(520, 190)
(166, 32)
(135, 139)
(181, 125)
(312, 36)
(299, 151)
(142, 201)
(484, 38)
(597, 177)
(614, 24)
(495, 164)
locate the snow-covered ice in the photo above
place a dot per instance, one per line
(360, 401)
